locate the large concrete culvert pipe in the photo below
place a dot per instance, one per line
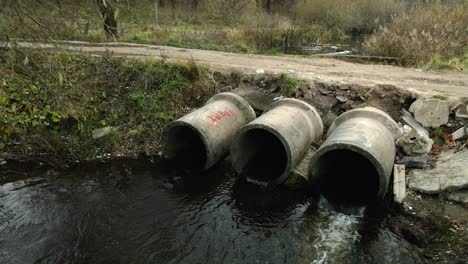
(355, 163)
(268, 148)
(202, 138)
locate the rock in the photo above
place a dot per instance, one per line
(415, 140)
(399, 183)
(328, 119)
(415, 162)
(461, 110)
(342, 99)
(450, 173)
(460, 197)
(3, 162)
(431, 112)
(298, 179)
(101, 132)
(460, 133)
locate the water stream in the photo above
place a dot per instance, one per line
(138, 212)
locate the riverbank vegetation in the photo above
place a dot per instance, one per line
(52, 104)
(418, 33)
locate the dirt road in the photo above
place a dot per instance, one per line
(450, 83)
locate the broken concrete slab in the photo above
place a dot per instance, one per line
(415, 162)
(460, 133)
(101, 132)
(460, 197)
(431, 112)
(449, 174)
(399, 183)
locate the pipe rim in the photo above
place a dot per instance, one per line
(243, 105)
(235, 146)
(180, 123)
(367, 112)
(383, 178)
(315, 118)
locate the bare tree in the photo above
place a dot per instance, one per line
(107, 10)
(156, 11)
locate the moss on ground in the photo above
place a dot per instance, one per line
(51, 103)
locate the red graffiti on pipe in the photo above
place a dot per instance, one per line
(220, 115)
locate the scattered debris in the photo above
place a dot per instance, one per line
(431, 112)
(450, 173)
(415, 140)
(399, 183)
(415, 162)
(460, 133)
(101, 132)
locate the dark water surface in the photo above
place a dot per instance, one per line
(137, 212)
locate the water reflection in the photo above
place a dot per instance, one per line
(137, 212)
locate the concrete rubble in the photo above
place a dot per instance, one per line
(431, 112)
(460, 133)
(415, 140)
(449, 174)
(415, 162)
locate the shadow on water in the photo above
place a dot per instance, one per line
(138, 212)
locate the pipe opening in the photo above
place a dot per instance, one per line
(261, 155)
(185, 148)
(347, 177)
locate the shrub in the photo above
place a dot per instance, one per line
(425, 33)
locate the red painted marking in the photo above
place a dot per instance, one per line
(220, 115)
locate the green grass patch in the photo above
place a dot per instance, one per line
(57, 100)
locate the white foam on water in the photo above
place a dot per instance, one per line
(337, 232)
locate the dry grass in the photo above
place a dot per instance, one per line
(425, 34)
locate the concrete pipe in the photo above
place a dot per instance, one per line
(267, 149)
(354, 164)
(202, 138)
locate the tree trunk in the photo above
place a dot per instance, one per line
(107, 10)
(268, 7)
(194, 4)
(156, 11)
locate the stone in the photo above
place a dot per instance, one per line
(399, 183)
(449, 174)
(460, 133)
(431, 112)
(415, 162)
(342, 99)
(3, 162)
(298, 179)
(461, 110)
(328, 119)
(460, 197)
(101, 132)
